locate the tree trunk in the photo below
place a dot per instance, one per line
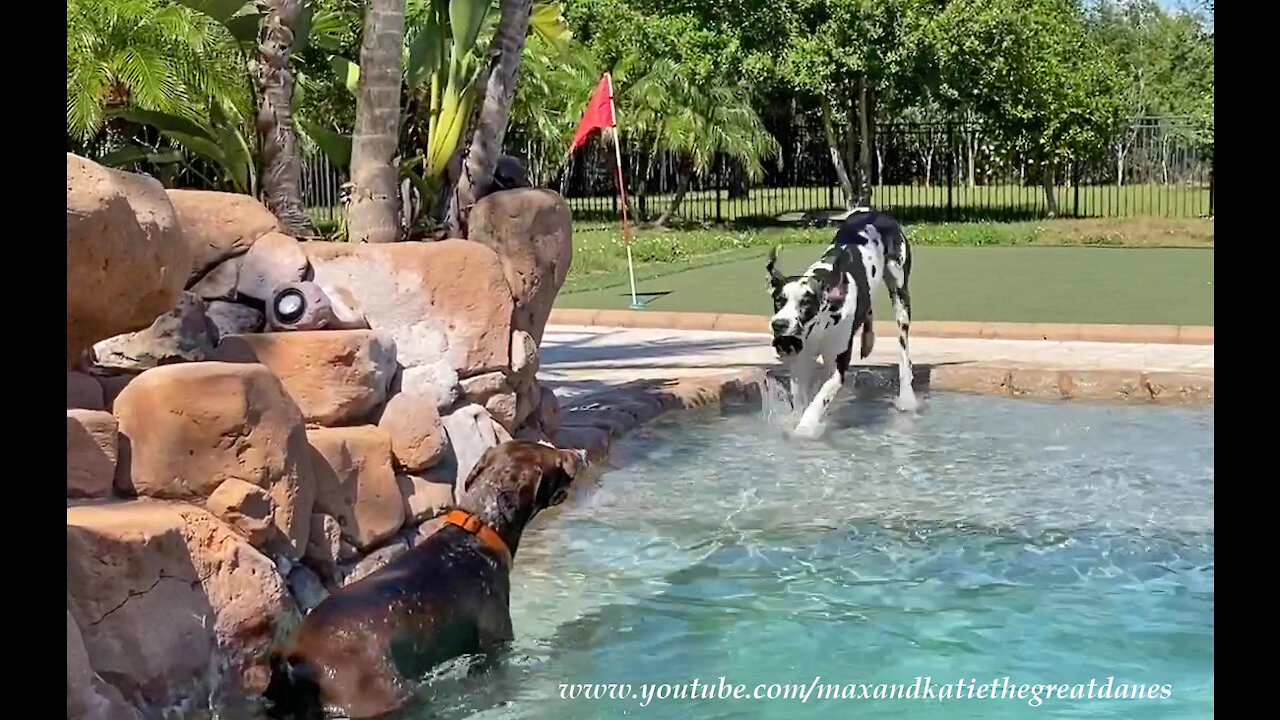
(683, 176)
(834, 148)
(373, 215)
(282, 168)
(1047, 180)
(482, 153)
(928, 167)
(864, 144)
(1119, 167)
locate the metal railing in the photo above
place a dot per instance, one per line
(934, 171)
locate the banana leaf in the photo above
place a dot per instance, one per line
(347, 71)
(332, 143)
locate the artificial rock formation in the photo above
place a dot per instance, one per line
(270, 468)
(218, 226)
(337, 377)
(188, 428)
(183, 334)
(443, 303)
(162, 593)
(127, 257)
(92, 450)
(356, 484)
(531, 231)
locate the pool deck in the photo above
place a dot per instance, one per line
(609, 379)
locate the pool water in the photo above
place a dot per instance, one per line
(984, 538)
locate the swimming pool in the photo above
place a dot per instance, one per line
(986, 538)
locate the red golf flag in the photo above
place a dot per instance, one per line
(599, 113)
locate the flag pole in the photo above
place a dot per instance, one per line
(622, 194)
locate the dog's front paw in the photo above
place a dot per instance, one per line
(808, 431)
(907, 402)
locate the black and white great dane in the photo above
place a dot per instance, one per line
(817, 314)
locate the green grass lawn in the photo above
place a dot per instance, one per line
(1159, 285)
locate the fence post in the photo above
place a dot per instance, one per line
(951, 147)
(1210, 191)
(719, 182)
(1075, 185)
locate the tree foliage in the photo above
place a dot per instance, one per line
(151, 55)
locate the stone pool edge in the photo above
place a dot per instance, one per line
(1058, 332)
(593, 421)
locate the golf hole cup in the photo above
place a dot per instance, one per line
(299, 306)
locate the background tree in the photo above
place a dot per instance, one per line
(482, 152)
(150, 80)
(281, 163)
(373, 213)
(1043, 86)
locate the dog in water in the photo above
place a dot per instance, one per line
(361, 650)
(818, 314)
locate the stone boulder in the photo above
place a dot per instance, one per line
(220, 282)
(183, 334)
(445, 304)
(127, 258)
(163, 592)
(417, 435)
(373, 562)
(337, 377)
(495, 393)
(186, 429)
(233, 318)
(524, 358)
(425, 496)
(91, 453)
(471, 432)
(324, 545)
(84, 392)
(219, 226)
(273, 260)
(245, 507)
(355, 482)
(89, 697)
(531, 231)
(549, 412)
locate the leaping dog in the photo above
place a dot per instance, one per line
(817, 314)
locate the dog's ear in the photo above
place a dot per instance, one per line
(775, 278)
(838, 281)
(481, 466)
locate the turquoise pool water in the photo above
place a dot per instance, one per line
(1049, 543)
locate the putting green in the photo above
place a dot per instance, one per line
(1159, 286)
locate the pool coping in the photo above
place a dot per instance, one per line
(591, 422)
(1057, 332)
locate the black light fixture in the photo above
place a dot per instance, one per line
(289, 305)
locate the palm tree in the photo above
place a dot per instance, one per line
(151, 56)
(373, 214)
(281, 165)
(491, 129)
(698, 120)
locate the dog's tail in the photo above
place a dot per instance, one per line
(292, 693)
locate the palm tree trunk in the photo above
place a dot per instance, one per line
(491, 130)
(834, 148)
(282, 168)
(373, 215)
(683, 177)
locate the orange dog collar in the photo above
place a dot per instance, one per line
(485, 534)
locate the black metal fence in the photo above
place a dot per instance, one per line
(935, 171)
